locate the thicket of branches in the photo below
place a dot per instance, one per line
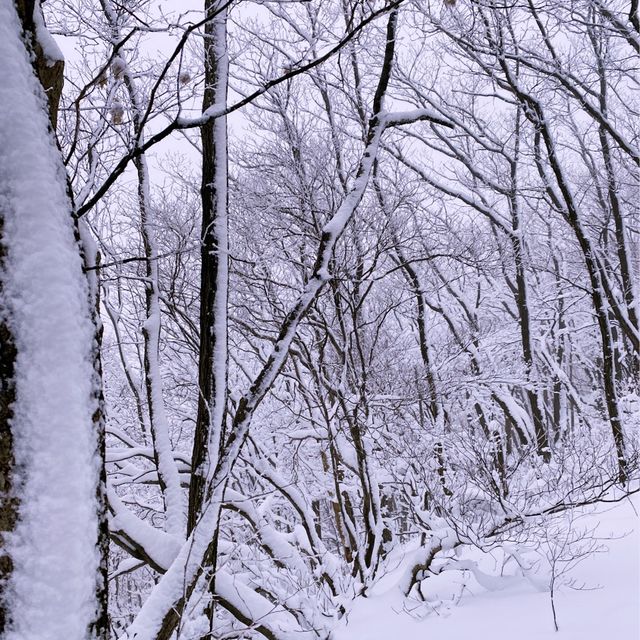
(364, 275)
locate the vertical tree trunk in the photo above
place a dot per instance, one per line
(48, 64)
(9, 500)
(214, 278)
(522, 303)
(91, 259)
(48, 446)
(616, 208)
(214, 283)
(8, 497)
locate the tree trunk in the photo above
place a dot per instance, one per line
(213, 355)
(48, 469)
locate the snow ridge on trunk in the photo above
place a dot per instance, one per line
(51, 591)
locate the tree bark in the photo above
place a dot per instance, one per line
(214, 274)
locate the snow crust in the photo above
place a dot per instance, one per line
(51, 590)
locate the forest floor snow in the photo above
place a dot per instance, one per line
(598, 599)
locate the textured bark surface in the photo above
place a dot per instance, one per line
(8, 501)
(49, 72)
(212, 380)
(100, 627)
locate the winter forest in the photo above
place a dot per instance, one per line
(319, 319)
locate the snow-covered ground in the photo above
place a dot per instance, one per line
(603, 602)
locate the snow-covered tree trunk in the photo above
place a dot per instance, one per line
(168, 476)
(50, 561)
(214, 275)
(214, 283)
(521, 295)
(47, 59)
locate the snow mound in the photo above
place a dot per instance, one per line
(598, 598)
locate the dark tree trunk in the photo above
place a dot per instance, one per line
(212, 366)
(8, 500)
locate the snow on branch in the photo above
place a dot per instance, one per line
(399, 118)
